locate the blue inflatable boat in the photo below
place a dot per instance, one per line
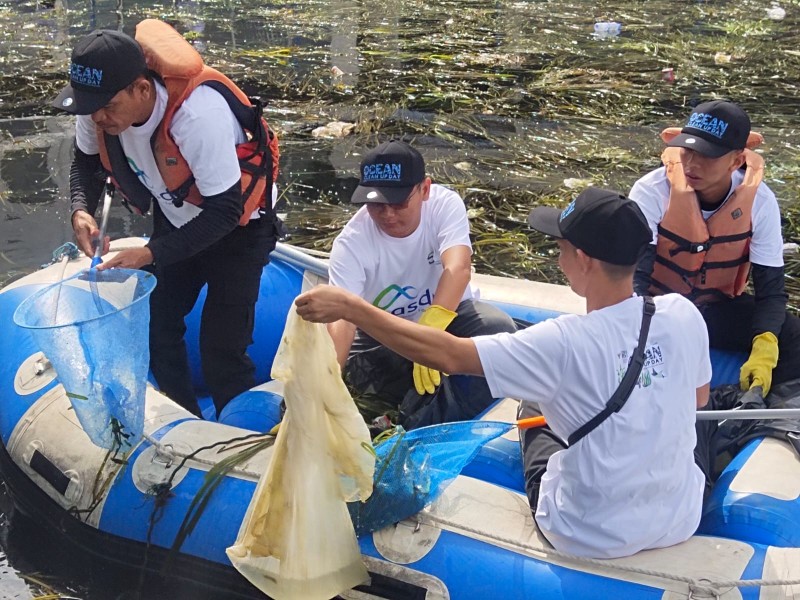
(478, 540)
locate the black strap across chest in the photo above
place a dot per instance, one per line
(623, 392)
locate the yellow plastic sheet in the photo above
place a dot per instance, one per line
(297, 540)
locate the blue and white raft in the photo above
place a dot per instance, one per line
(478, 540)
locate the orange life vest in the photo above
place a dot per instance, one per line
(704, 260)
(181, 70)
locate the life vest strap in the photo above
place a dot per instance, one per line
(683, 245)
(695, 295)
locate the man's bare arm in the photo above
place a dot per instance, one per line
(425, 345)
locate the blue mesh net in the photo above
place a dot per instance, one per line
(93, 327)
(413, 468)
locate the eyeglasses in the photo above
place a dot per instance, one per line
(381, 206)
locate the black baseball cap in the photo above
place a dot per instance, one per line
(389, 173)
(603, 223)
(103, 63)
(714, 129)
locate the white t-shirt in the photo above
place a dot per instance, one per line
(205, 130)
(632, 483)
(400, 275)
(651, 192)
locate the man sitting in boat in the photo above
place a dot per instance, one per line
(627, 480)
(173, 129)
(407, 251)
(712, 217)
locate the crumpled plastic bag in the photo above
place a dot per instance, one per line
(297, 540)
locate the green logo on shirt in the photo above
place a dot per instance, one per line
(391, 294)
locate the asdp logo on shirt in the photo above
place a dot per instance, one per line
(395, 299)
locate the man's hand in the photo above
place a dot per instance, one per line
(324, 304)
(132, 258)
(757, 371)
(87, 232)
(425, 378)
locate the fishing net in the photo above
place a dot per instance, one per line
(296, 540)
(93, 327)
(414, 467)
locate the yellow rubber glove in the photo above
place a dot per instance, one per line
(425, 379)
(758, 368)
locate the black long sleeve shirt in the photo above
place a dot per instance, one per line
(220, 214)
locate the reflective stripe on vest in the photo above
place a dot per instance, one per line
(705, 260)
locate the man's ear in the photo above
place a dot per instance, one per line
(426, 188)
(584, 260)
(739, 161)
(145, 87)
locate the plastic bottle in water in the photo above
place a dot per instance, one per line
(607, 28)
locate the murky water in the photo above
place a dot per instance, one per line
(512, 102)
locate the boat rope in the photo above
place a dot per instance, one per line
(703, 587)
(168, 454)
(162, 492)
(65, 252)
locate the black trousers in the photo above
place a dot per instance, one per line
(383, 377)
(730, 327)
(231, 268)
(540, 443)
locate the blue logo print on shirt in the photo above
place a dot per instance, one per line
(137, 171)
(382, 172)
(85, 75)
(708, 123)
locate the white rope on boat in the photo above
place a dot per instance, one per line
(705, 586)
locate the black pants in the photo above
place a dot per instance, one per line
(232, 270)
(378, 374)
(540, 443)
(730, 328)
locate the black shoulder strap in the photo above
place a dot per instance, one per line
(133, 190)
(625, 388)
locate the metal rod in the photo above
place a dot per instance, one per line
(756, 413)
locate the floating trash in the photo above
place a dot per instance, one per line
(607, 29)
(575, 182)
(776, 13)
(335, 129)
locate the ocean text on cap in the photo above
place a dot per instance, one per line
(566, 211)
(85, 75)
(384, 172)
(708, 123)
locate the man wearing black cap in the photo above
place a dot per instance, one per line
(714, 222)
(147, 132)
(627, 481)
(408, 252)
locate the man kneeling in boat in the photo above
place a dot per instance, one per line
(618, 386)
(407, 251)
